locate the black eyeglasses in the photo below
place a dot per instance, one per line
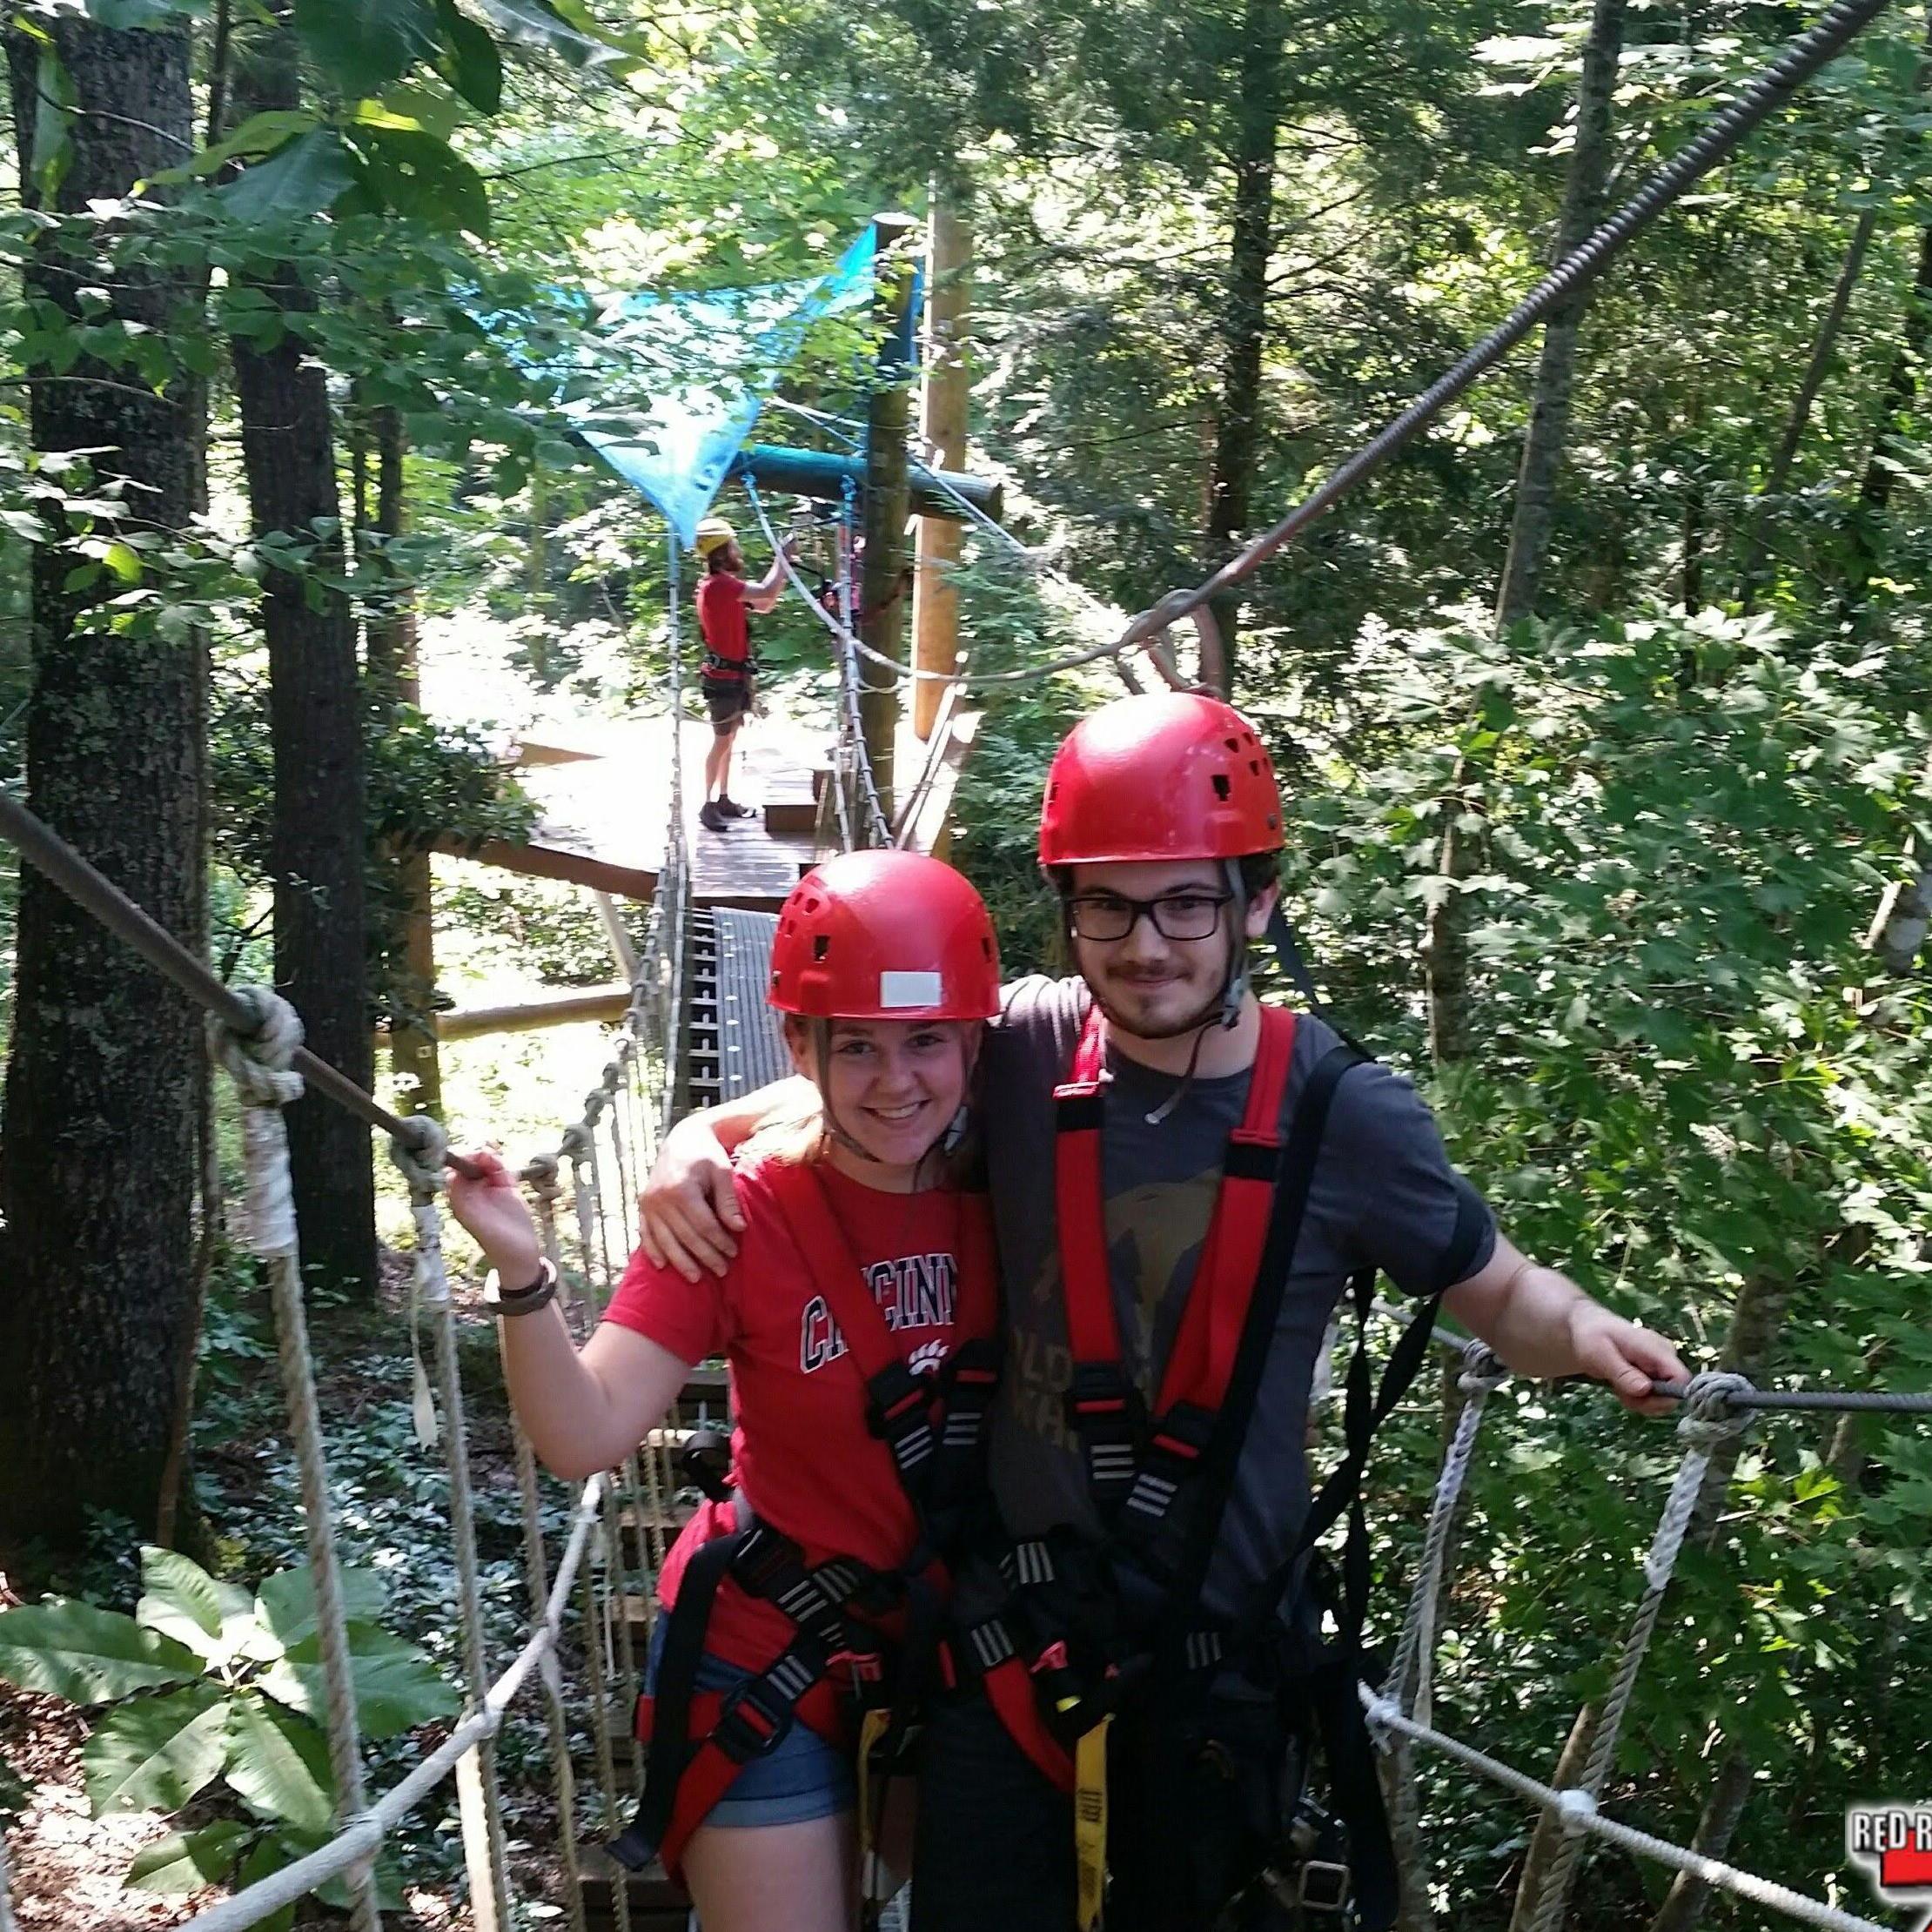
(1108, 916)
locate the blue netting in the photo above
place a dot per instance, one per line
(677, 449)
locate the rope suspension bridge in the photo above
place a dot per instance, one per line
(694, 1027)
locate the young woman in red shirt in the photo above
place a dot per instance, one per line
(857, 1318)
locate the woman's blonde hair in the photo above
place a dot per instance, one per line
(800, 1133)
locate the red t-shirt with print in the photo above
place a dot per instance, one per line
(801, 1452)
(721, 618)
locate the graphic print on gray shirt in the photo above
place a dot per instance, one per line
(1384, 1194)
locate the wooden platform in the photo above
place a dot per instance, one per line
(604, 797)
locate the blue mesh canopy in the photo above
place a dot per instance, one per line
(678, 449)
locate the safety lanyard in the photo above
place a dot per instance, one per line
(1102, 1404)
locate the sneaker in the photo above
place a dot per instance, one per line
(711, 817)
(731, 808)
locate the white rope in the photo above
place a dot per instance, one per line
(556, 1723)
(1708, 1420)
(259, 1060)
(420, 1159)
(1482, 1375)
(358, 1841)
(1578, 1810)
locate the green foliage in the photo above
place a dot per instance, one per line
(206, 1683)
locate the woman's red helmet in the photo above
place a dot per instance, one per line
(885, 936)
(1170, 775)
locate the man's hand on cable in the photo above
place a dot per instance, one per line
(1628, 1358)
(688, 1212)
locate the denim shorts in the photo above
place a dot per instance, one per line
(801, 1778)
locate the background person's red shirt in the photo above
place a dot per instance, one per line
(802, 1451)
(721, 619)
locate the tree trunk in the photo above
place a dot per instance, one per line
(1244, 329)
(1445, 946)
(98, 1176)
(1824, 348)
(1901, 387)
(315, 724)
(1684, 1903)
(393, 680)
(1549, 424)
(1548, 1834)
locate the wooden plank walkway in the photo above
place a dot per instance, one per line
(603, 798)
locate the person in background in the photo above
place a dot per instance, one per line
(725, 600)
(801, 1604)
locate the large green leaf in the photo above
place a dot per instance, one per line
(286, 1604)
(184, 1861)
(301, 178)
(362, 45)
(180, 1599)
(53, 120)
(86, 1655)
(424, 178)
(292, 1845)
(279, 1765)
(471, 62)
(153, 1754)
(396, 1686)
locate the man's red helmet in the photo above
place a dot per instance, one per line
(885, 936)
(1170, 776)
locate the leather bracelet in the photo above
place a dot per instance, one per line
(509, 1302)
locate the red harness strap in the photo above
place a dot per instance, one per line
(1102, 1404)
(712, 1769)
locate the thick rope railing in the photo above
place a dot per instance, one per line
(420, 1160)
(258, 1038)
(1717, 1408)
(1578, 1811)
(260, 1059)
(361, 1840)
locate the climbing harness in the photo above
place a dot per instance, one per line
(862, 1638)
(1100, 1661)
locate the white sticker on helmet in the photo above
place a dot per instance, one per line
(897, 990)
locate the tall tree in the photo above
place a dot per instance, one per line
(1245, 326)
(315, 722)
(1549, 424)
(98, 1176)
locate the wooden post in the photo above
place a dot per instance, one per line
(883, 586)
(942, 422)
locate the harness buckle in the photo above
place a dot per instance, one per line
(742, 1737)
(1324, 1887)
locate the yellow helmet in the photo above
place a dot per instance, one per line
(713, 534)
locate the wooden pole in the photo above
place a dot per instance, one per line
(883, 586)
(942, 422)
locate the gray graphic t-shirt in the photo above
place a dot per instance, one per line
(1384, 1193)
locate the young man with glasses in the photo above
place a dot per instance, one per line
(1172, 1251)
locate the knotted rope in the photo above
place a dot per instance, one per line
(418, 1152)
(1709, 1420)
(259, 1058)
